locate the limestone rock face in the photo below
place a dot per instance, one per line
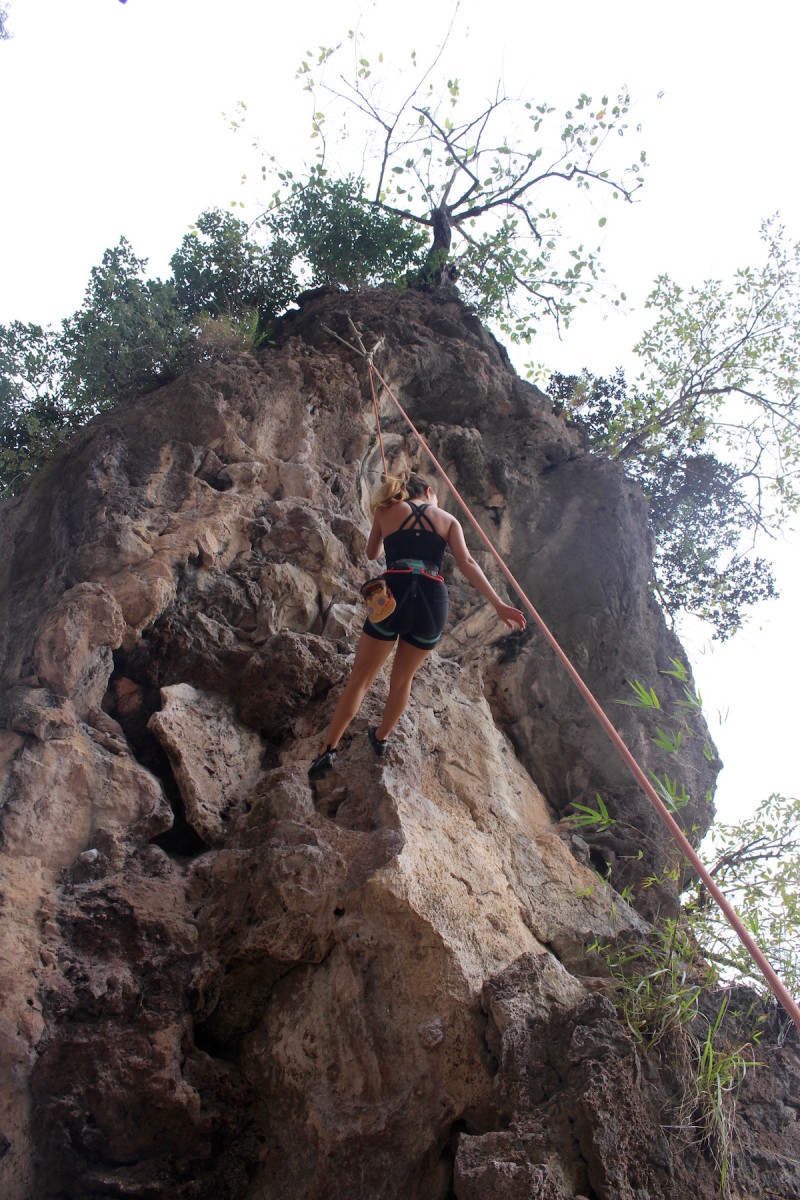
(215, 760)
(219, 981)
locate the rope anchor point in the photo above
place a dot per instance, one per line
(357, 345)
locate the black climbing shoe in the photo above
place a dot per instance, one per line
(378, 744)
(322, 764)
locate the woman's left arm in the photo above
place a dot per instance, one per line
(375, 542)
(468, 567)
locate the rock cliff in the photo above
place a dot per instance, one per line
(219, 981)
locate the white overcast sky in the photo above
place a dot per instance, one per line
(113, 125)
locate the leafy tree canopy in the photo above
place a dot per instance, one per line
(125, 339)
(32, 416)
(480, 185)
(339, 237)
(756, 862)
(132, 333)
(701, 519)
(721, 364)
(219, 271)
(710, 428)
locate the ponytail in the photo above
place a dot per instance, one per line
(392, 490)
(400, 487)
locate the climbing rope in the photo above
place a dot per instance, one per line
(358, 347)
(775, 983)
(377, 419)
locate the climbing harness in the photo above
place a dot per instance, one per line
(776, 985)
(417, 567)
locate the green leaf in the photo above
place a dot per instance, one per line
(585, 816)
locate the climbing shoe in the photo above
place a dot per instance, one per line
(322, 764)
(378, 744)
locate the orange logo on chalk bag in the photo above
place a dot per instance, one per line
(379, 600)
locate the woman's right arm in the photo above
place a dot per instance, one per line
(468, 567)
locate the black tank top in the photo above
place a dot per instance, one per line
(414, 540)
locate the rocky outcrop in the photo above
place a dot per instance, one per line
(219, 981)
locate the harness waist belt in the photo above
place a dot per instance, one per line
(416, 566)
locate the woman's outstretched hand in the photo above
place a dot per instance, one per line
(510, 616)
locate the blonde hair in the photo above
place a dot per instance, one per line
(409, 485)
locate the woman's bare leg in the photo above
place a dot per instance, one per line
(407, 662)
(370, 657)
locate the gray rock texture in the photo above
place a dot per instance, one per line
(218, 981)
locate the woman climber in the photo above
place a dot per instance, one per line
(414, 536)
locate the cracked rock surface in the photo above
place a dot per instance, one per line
(219, 981)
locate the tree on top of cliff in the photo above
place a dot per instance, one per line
(482, 195)
(702, 521)
(132, 334)
(710, 428)
(481, 185)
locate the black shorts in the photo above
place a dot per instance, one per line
(421, 613)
